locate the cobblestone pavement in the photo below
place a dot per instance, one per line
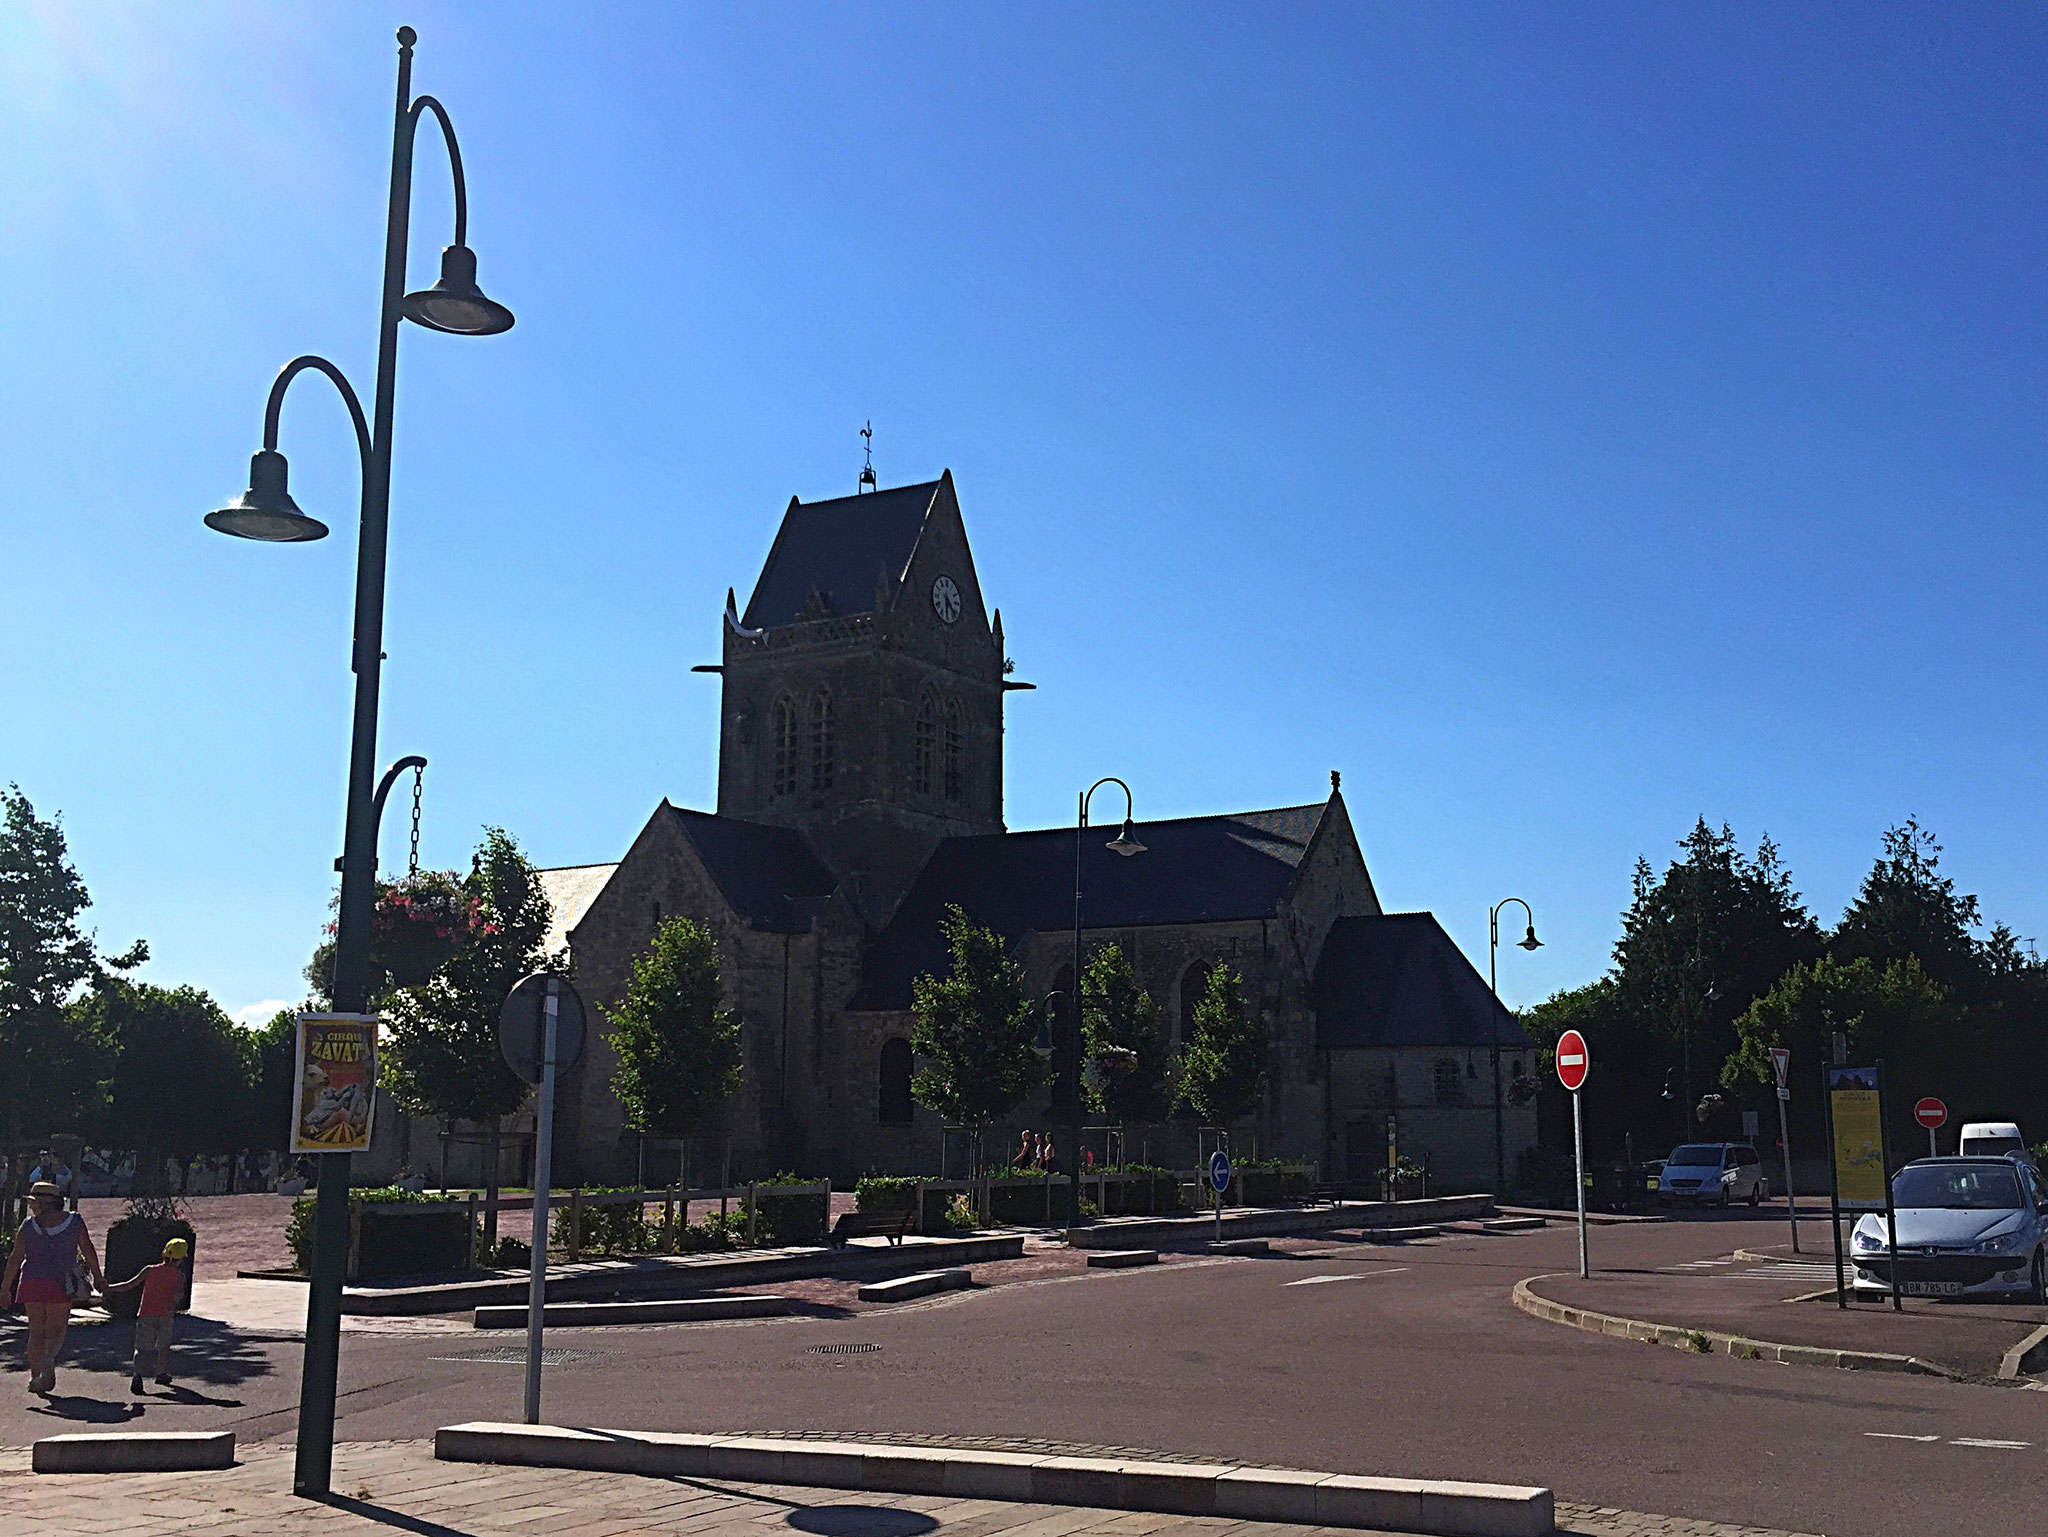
(397, 1485)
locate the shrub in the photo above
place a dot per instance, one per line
(959, 1213)
(513, 1254)
(390, 1245)
(885, 1193)
(712, 1234)
(618, 1227)
(782, 1220)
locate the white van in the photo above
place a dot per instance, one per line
(1990, 1139)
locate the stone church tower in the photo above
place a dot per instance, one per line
(863, 689)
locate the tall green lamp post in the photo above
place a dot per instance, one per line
(266, 511)
(1528, 941)
(1126, 844)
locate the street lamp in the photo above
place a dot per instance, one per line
(267, 512)
(1528, 941)
(1126, 844)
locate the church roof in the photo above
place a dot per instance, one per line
(1398, 980)
(1194, 870)
(570, 889)
(837, 548)
(768, 874)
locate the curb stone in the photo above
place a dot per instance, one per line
(1431, 1508)
(1713, 1341)
(134, 1451)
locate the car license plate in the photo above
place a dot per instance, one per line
(1652, 1185)
(1932, 1288)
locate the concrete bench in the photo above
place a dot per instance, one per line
(1397, 1234)
(1122, 1259)
(1239, 1246)
(903, 1288)
(681, 1310)
(134, 1451)
(1513, 1224)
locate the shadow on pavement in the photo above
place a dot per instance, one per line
(383, 1515)
(89, 1411)
(859, 1521)
(201, 1348)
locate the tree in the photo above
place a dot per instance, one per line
(272, 1051)
(1908, 908)
(180, 1073)
(441, 1053)
(1120, 1025)
(53, 1063)
(1895, 1014)
(973, 1030)
(1221, 1061)
(678, 1050)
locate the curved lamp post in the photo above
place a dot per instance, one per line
(1528, 941)
(1126, 844)
(267, 512)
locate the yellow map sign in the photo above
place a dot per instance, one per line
(1856, 1106)
(335, 1083)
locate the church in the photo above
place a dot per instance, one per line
(860, 793)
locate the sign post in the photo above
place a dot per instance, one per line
(1933, 1114)
(1858, 1165)
(1572, 1062)
(1219, 1181)
(1781, 1069)
(540, 1032)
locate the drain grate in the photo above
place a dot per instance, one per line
(515, 1355)
(844, 1350)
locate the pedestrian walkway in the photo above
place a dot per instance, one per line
(386, 1486)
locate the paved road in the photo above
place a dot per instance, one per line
(1403, 1361)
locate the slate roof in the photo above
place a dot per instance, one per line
(768, 874)
(570, 889)
(838, 547)
(1193, 870)
(1398, 980)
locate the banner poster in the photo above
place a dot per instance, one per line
(335, 1083)
(1857, 1109)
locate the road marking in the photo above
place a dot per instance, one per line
(2002, 1446)
(1893, 1435)
(1324, 1280)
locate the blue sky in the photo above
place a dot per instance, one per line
(1566, 421)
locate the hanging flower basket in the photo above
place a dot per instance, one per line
(421, 922)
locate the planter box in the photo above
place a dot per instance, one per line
(428, 1239)
(785, 1220)
(132, 1244)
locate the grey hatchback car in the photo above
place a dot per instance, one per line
(1968, 1227)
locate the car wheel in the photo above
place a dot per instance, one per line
(2037, 1280)
(1756, 1193)
(1727, 1198)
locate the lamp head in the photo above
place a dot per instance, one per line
(1124, 843)
(1529, 941)
(455, 304)
(266, 510)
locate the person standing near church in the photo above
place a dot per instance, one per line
(40, 1276)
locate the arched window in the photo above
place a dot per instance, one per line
(1450, 1084)
(783, 729)
(956, 751)
(894, 1096)
(927, 741)
(823, 762)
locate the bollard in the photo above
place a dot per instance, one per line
(576, 1224)
(476, 1237)
(752, 1207)
(668, 1220)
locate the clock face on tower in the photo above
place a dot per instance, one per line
(946, 599)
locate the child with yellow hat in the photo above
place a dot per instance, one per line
(163, 1284)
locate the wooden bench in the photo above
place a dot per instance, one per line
(866, 1224)
(1325, 1195)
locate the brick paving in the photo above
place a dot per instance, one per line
(384, 1486)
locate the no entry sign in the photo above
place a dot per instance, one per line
(1572, 1060)
(1931, 1112)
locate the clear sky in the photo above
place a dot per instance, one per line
(1565, 420)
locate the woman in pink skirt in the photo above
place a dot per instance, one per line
(46, 1248)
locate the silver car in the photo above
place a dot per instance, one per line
(1717, 1172)
(1968, 1227)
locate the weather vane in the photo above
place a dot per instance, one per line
(867, 473)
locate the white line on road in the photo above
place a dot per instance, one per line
(1324, 1280)
(1893, 1435)
(2003, 1446)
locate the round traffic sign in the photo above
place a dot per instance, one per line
(1219, 1171)
(522, 1025)
(1572, 1060)
(1931, 1112)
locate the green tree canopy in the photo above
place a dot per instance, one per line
(973, 1029)
(1118, 1017)
(1221, 1061)
(678, 1050)
(1908, 909)
(181, 1071)
(1895, 1014)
